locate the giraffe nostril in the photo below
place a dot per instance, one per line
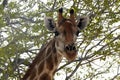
(67, 48)
(74, 48)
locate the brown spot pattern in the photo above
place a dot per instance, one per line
(56, 59)
(50, 64)
(45, 76)
(33, 74)
(41, 67)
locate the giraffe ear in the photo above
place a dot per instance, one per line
(82, 22)
(49, 23)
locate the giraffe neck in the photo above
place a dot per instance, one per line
(44, 65)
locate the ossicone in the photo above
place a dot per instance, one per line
(71, 11)
(60, 10)
(72, 16)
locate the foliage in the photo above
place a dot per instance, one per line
(22, 33)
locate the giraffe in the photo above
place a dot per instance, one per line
(61, 45)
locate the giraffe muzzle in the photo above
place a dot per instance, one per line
(71, 52)
(70, 47)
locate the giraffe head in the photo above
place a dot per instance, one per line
(66, 31)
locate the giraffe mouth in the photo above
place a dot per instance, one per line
(71, 55)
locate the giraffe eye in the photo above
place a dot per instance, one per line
(56, 33)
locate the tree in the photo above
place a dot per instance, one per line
(22, 33)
